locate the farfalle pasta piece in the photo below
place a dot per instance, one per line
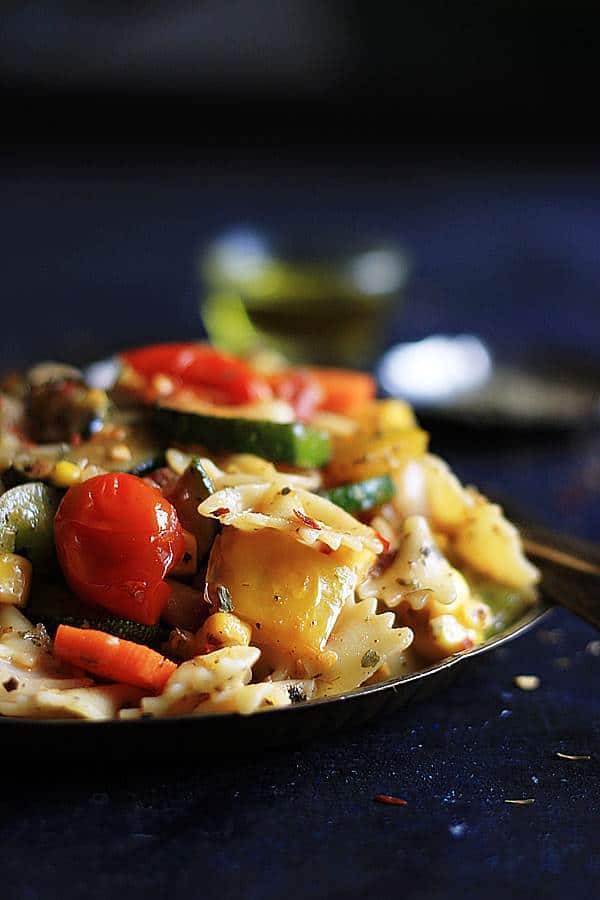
(418, 569)
(94, 702)
(248, 464)
(311, 519)
(363, 641)
(245, 700)
(251, 698)
(25, 656)
(429, 595)
(202, 677)
(19, 688)
(243, 468)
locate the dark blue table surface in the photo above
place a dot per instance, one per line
(99, 256)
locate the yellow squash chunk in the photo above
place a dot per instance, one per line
(385, 415)
(223, 629)
(366, 454)
(15, 579)
(289, 593)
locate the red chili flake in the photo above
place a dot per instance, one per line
(75, 439)
(389, 800)
(221, 511)
(384, 541)
(310, 523)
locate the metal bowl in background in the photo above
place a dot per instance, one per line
(455, 378)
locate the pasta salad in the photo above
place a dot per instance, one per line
(222, 535)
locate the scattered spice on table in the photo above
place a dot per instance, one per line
(551, 636)
(389, 800)
(572, 756)
(527, 682)
(562, 662)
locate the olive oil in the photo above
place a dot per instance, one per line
(332, 311)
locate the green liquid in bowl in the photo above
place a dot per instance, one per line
(321, 311)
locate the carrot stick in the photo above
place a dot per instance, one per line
(113, 658)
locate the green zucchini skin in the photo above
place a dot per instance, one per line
(362, 496)
(293, 443)
(506, 603)
(141, 463)
(27, 521)
(191, 489)
(149, 635)
(52, 607)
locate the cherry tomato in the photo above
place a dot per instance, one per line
(116, 540)
(216, 375)
(313, 388)
(300, 389)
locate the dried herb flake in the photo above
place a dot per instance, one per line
(224, 599)
(296, 694)
(370, 659)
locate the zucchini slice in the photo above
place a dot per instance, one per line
(292, 443)
(52, 605)
(506, 603)
(27, 521)
(191, 489)
(144, 454)
(362, 496)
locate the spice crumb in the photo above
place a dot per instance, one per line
(573, 756)
(562, 662)
(370, 658)
(593, 648)
(551, 636)
(527, 682)
(389, 800)
(527, 802)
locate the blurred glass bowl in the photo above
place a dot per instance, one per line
(312, 297)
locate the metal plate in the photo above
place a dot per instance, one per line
(146, 738)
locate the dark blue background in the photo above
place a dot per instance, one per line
(97, 257)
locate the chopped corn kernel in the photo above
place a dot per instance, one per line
(15, 579)
(66, 473)
(223, 629)
(120, 453)
(97, 399)
(163, 385)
